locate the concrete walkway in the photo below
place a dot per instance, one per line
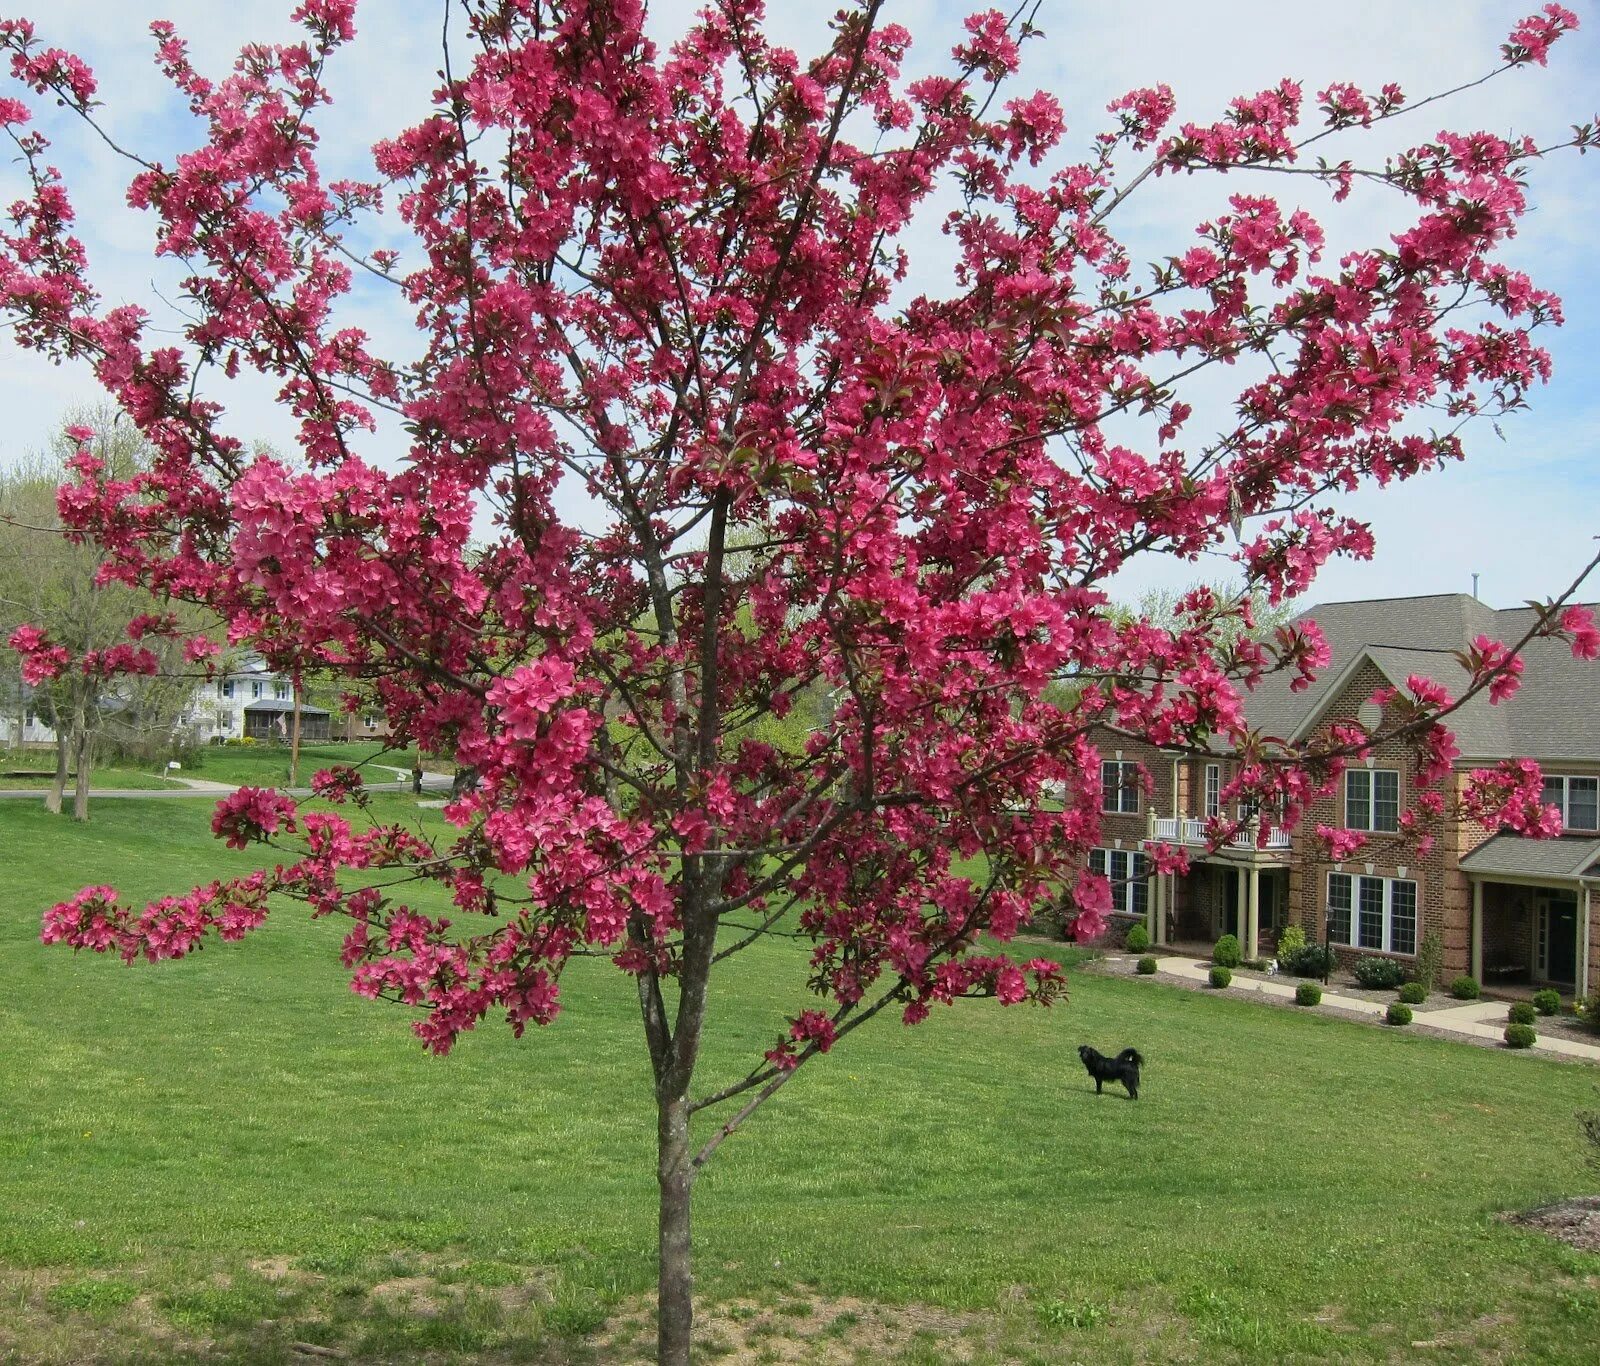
(199, 787)
(1472, 1019)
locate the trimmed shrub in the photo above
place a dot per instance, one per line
(1547, 1002)
(1465, 988)
(1522, 1012)
(1138, 938)
(1589, 1010)
(1378, 974)
(1399, 1013)
(1227, 952)
(1291, 939)
(1220, 977)
(1413, 993)
(1147, 965)
(1520, 1036)
(1311, 960)
(1308, 994)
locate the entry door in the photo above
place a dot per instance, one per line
(1558, 936)
(1227, 885)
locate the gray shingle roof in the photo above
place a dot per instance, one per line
(1554, 715)
(1518, 856)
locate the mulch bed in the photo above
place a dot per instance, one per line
(1575, 1221)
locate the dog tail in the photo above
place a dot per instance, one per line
(1131, 1055)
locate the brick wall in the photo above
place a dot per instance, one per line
(1444, 903)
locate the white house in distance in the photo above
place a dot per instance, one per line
(250, 701)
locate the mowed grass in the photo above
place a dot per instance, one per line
(261, 765)
(231, 1154)
(20, 775)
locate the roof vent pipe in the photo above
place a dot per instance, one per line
(1474, 585)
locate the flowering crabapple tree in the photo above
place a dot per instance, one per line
(676, 281)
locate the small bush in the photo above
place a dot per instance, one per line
(1547, 1002)
(1465, 988)
(1413, 993)
(1399, 1013)
(1147, 965)
(1589, 1127)
(1259, 964)
(1520, 1036)
(1220, 977)
(1522, 1012)
(1589, 1010)
(1430, 960)
(1138, 938)
(1291, 939)
(1311, 960)
(1227, 953)
(1378, 974)
(1308, 994)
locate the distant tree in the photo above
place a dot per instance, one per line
(1227, 611)
(107, 664)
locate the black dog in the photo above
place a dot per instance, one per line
(1124, 1068)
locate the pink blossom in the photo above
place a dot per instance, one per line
(252, 813)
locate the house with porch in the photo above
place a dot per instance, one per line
(1510, 910)
(251, 701)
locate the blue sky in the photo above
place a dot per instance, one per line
(1520, 511)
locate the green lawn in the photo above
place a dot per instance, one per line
(268, 765)
(100, 779)
(1290, 1187)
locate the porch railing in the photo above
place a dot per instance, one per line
(1188, 830)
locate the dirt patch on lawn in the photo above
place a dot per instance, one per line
(1575, 1222)
(814, 1329)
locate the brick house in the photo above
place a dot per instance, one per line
(1507, 909)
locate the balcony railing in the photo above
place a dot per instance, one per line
(1188, 830)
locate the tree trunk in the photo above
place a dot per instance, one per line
(58, 785)
(80, 791)
(675, 1286)
(294, 738)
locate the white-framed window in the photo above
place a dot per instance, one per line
(225, 720)
(280, 690)
(1125, 870)
(1213, 790)
(1119, 787)
(1577, 798)
(255, 689)
(1373, 912)
(224, 687)
(1372, 799)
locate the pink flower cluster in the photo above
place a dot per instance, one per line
(251, 814)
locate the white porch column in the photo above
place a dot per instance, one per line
(1252, 943)
(1477, 930)
(1584, 941)
(1241, 904)
(1162, 882)
(1152, 882)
